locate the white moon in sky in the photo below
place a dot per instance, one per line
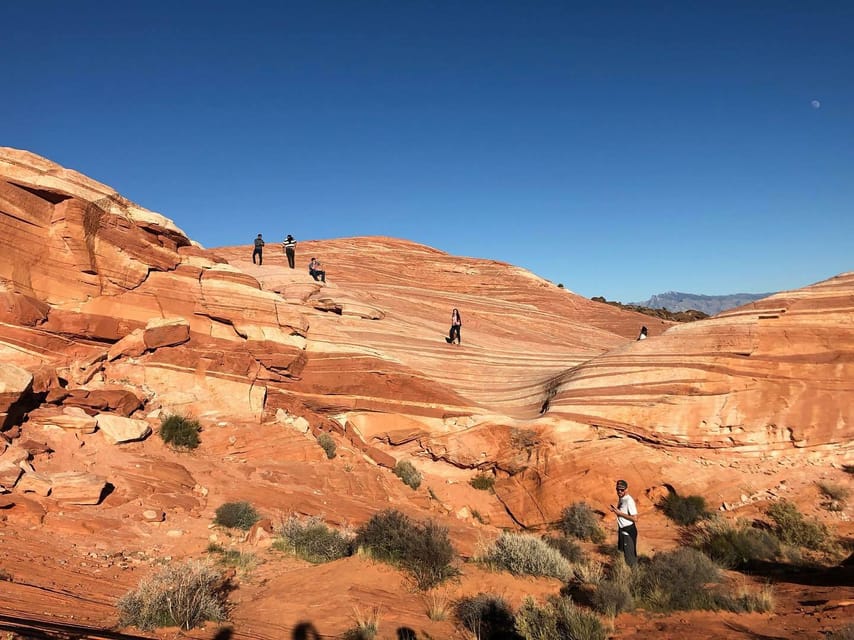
(816, 104)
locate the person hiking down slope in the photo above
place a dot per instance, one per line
(456, 323)
(627, 515)
(290, 247)
(259, 249)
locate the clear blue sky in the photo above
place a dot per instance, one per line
(622, 149)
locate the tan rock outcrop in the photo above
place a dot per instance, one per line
(74, 487)
(14, 383)
(165, 332)
(119, 429)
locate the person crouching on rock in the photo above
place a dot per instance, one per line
(456, 323)
(315, 270)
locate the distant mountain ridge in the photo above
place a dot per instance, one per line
(678, 301)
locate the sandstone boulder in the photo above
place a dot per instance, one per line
(15, 383)
(77, 487)
(121, 401)
(9, 474)
(68, 419)
(119, 429)
(166, 332)
(131, 346)
(38, 483)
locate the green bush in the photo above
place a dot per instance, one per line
(486, 616)
(408, 473)
(580, 521)
(183, 595)
(735, 545)
(312, 540)
(525, 554)
(327, 444)
(792, 528)
(483, 482)
(685, 510)
(180, 432)
(236, 515)
(566, 547)
(424, 550)
(559, 619)
(677, 580)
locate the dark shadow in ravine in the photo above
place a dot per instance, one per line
(405, 633)
(225, 633)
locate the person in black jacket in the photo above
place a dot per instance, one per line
(259, 250)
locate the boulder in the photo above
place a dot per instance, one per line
(121, 401)
(15, 383)
(69, 419)
(38, 483)
(166, 332)
(131, 346)
(118, 429)
(77, 487)
(9, 474)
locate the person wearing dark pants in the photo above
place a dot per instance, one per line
(627, 517)
(290, 247)
(316, 271)
(456, 323)
(259, 250)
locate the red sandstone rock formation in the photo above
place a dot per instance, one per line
(111, 317)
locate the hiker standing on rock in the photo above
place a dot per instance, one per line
(644, 332)
(456, 323)
(627, 515)
(290, 247)
(259, 250)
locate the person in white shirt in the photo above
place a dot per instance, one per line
(627, 517)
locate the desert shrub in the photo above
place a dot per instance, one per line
(589, 572)
(238, 559)
(580, 521)
(845, 633)
(684, 510)
(327, 444)
(735, 545)
(5, 576)
(483, 482)
(180, 432)
(526, 554)
(183, 595)
(366, 626)
(408, 473)
(437, 604)
(566, 547)
(746, 600)
(611, 598)
(559, 619)
(424, 550)
(486, 616)
(614, 591)
(236, 515)
(312, 540)
(835, 495)
(792, 528)
(677, 580)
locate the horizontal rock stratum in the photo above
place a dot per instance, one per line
(111, 318)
